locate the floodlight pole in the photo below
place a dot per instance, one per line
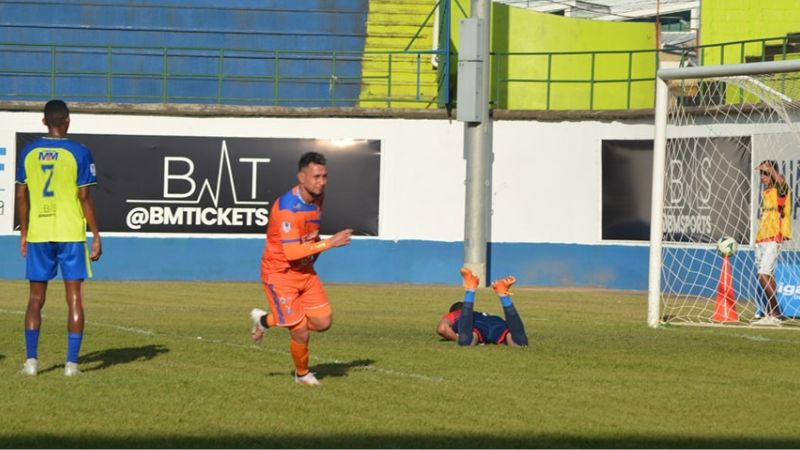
(477, 142)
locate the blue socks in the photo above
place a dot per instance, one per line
(505, 301)
(469, 296)
(73, 346)
(32, 343)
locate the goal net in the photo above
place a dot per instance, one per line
(717, 129)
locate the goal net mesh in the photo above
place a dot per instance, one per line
(719, 130)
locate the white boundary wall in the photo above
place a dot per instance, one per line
(546, 175)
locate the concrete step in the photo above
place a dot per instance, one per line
(379, 91)
(391, 17)
(423, 7)
(399, 33)
(387, 29)
(400, 102)
(408, 65)
(397, 42)
(424, 77)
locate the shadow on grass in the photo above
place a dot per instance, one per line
(339, 368)
(114, 356)
(334, 369)
(2, 356)
(387, 440)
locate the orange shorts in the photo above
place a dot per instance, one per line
(292, 296)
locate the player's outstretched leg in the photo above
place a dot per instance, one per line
(465, 320)
(261, 321)
(514, 322)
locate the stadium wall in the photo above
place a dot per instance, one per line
(610, 55)
(735, 20)
(547, 196)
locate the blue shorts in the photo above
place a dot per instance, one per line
(491, 329)
(44, 258)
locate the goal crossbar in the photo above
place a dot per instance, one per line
(757, 68)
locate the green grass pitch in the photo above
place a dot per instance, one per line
(171, 365)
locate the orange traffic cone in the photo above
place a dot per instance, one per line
(725, 309)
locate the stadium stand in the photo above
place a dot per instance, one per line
(278, 50)
(396, 26)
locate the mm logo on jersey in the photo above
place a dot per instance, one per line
(48, 156)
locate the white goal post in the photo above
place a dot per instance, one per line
(714, 128)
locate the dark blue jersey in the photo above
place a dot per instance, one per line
(490, 329)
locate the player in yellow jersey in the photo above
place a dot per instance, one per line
(774, 228)
(54, 206)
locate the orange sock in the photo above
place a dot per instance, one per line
(300, 357)
(271, 320)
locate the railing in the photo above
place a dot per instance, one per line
(93, 73)
(555, 82)
(624, 79)
(549, 80)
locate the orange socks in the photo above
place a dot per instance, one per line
(300, 357)
(271, 320)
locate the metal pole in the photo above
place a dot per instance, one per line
(657, 204)
(478, 154)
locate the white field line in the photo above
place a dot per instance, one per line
(146, 332)
(759, 338)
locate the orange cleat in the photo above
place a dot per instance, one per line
(470, 280)
(501, 287)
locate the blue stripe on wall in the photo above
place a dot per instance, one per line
(364, 261)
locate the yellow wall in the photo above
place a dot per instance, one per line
(736, 20)
(516, 30)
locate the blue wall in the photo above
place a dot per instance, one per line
(288, 26)
(364, 261)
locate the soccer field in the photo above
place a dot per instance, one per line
(171, 365)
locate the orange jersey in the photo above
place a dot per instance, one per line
(293, 241)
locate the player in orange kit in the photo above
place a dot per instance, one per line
(294, 291)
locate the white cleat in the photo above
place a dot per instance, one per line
(768, 321)
(257, 331)
(71, 369)
(31, 367)
(308, 379)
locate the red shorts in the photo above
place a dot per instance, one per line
(293, 296)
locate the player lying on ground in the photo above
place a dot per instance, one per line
(469, 327)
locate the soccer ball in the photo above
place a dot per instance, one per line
(726, 246)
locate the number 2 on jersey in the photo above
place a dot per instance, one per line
(48, 169)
